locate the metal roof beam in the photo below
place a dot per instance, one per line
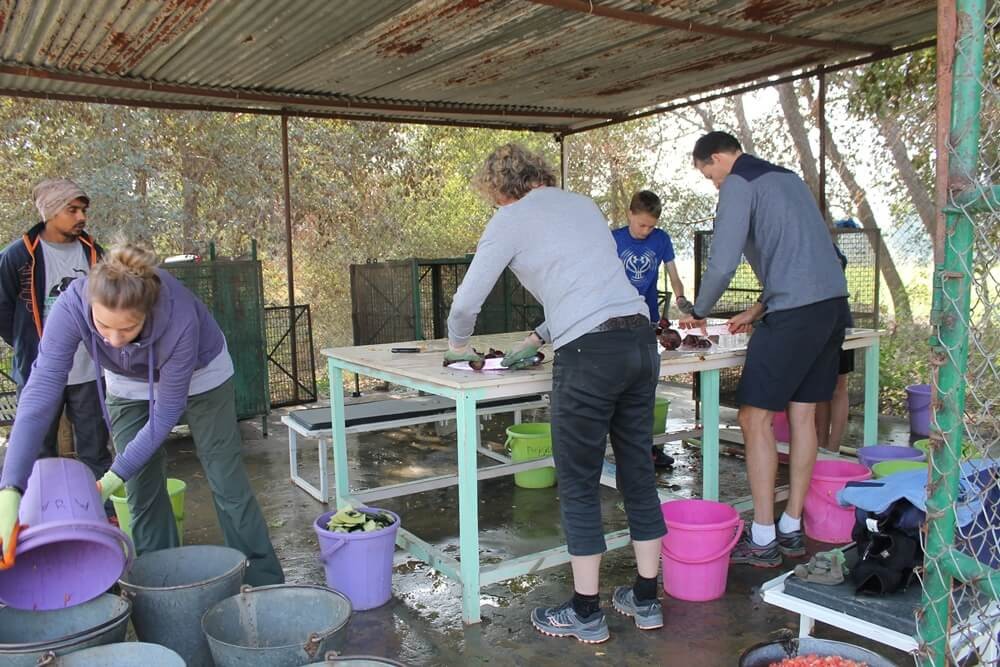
(304, 99)
(292, 113)
(589, 7)
(674, 106)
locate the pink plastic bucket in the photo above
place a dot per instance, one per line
(698, 529)
(695, 551)
(779, 424)
(67, 553)
(698, 580)
(824, 519)
(359, 565)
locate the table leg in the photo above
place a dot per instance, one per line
(710, 434)
(338, 439)
(468, 505)
(806, 625)
(871, 393)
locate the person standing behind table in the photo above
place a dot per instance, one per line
(34, 270)
(832, 416)
(642, 247)
(165, 358)
(768, 214)
(604, 374)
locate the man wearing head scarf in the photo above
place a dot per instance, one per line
(34, 270)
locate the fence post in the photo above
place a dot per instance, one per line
(949, 356)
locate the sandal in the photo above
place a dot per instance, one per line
(827, 568)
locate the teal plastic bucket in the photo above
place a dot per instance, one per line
(660, 409)
(527, 442)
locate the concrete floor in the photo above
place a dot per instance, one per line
(422, 624)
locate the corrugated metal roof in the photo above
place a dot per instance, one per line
(544, 64)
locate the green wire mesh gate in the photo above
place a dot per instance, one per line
(960, 616)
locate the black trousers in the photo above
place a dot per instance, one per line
(90, 432)
(605, 383)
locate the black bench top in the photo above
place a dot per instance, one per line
(373, 412)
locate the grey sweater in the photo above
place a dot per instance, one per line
(768, 214)
(559, 246)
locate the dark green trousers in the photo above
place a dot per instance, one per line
(212, 418)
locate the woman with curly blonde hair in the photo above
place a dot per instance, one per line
(604, 375)
(165, 358)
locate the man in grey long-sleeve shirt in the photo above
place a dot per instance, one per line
(603, 377)
(767, 214)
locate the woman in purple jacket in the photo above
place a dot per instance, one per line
(164, 358)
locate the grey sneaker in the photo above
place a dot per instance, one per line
(562, 621)
(648, 615)
(750, 553)
(792, 544)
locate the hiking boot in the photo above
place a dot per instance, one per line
(562, 621)
(661, 459)
(648, 615)
(792, 544)
(748, 552)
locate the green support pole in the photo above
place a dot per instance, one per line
(871, 394)
(951, 348)
(710, 434)
(341, 482)
(468, 505)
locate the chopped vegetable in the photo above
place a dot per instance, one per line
(813, 660)
(349, 520)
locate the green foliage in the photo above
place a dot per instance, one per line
(904, 360)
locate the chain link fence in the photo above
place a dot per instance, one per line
(960, 619)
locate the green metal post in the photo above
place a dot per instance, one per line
(341, 481)
(211, 251)
(710, 434)
(418, 320)
(871, 393)
(468, 504)
(951, 349)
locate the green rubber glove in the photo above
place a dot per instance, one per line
(108, 485)
(10, 502)
(454, 355)
(520, 355)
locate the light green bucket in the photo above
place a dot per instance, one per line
(527, 442)
(175, 488)
(968, 449)
(660, 415)
(886, 468)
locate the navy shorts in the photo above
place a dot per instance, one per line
(794, 355)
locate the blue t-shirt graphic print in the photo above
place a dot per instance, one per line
(641, 259)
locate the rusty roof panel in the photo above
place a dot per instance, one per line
(537, 63)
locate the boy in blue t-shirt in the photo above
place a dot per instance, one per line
(642, 248)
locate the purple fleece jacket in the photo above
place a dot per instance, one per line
(179, 336)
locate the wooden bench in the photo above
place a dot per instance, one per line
(383, 414)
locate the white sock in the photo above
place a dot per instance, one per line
(787, 524)
(761, 534)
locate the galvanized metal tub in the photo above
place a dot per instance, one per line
(116, 655)
(171, 590)
(334, 660)
(102, 620)
(767, 653)
(287, 625)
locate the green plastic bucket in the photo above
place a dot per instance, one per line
(176, 489)
(527, 442)
(886, 468)
(660, 415)
(968, 449)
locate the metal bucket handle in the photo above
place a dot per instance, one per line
(48, 658)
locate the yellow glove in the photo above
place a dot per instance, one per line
(108, 485)
(10, 502)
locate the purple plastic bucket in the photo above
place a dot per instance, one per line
(67, 552)
(918, 402)
(359, 565)
(869, 456)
